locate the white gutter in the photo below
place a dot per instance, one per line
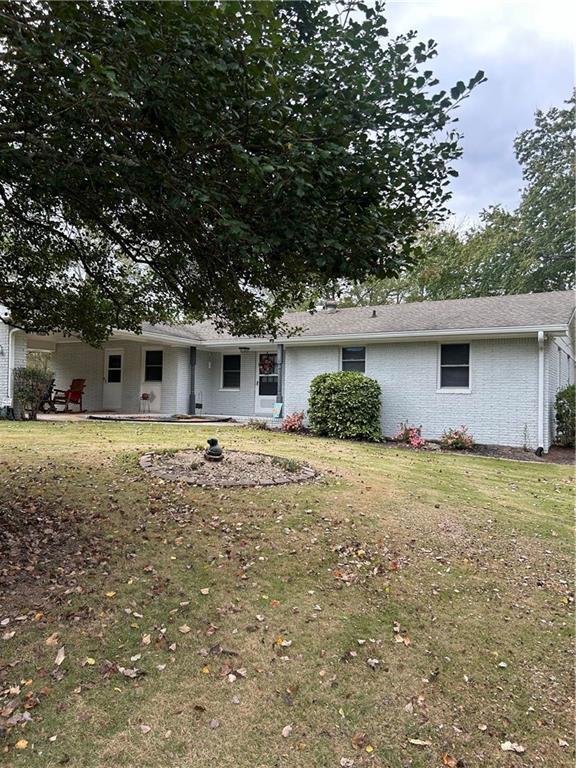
(540, 416)
(511, 331)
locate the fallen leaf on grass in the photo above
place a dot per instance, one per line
(184, 629)
(52, 640)
(214, 723)
(89, 661)
(420, 742)
(359, 740)
(512, 746)
(21, 744)
(146, 639)
(145, 728)
(205, 591)
(8, 635)
(451, 762)
(286, 731)
(110, 594)
(60, 656)
(131, 673)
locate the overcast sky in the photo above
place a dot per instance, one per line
(526, 50)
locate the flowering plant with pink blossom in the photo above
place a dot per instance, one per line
(457, 439)
(410, 435)
(294, 423)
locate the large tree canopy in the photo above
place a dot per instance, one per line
(193, 159)
(529, 249)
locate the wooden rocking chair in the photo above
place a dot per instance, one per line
(71, 396)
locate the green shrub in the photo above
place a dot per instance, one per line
(345, 405)
(566, 415)
(30, 387)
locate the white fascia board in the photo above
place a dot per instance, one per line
(149, 337)
(459, 333)
(340, 338)
(509, 332)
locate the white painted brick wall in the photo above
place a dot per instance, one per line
(226, 402)
(4, 334)
(209, 390)
(75, 360)
(501, 408)
(78, 360)
(203, 381)
(19, 354)
(557, 375)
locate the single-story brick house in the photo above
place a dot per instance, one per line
(494, 364)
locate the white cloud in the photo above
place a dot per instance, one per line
(527, 52)
(491, 22)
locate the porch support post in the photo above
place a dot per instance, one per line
(192, 398)
(280, 365)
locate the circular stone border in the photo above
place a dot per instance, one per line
(146, 461)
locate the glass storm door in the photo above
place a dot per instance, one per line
(266, 383)
(113, 374)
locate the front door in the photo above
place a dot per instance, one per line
(266, 383)
(113, 374)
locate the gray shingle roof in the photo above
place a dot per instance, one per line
(491, 312)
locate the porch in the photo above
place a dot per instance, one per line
(155, 374)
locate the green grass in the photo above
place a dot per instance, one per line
(474, 560)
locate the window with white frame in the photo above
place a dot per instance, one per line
(354, 359)
(231, 371)
(454, 366)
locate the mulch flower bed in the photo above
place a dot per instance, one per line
(556, 454)
(238, 469)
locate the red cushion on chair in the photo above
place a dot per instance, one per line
(73, 397)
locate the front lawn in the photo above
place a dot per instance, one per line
(407, 610)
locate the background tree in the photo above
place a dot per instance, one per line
(530, 249)
(547, 212)
(183, 160)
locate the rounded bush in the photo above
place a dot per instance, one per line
(566, 416)
(30, 386)
(345, 405)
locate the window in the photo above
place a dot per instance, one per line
(230, 371)
(153, 365)
(114, 375)
(354, 359)
(454, 366)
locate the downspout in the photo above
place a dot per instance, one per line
(11, 333)
(192, 397)
(540, 415)
(280, 368)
